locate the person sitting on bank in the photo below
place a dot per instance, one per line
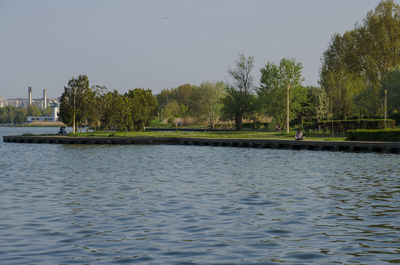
(62, 131)
(299, 135)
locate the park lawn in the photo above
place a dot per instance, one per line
(208, 135)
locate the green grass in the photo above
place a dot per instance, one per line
(209, 135)
(31, 125)
(28, 134)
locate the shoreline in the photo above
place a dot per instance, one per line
(341, 146)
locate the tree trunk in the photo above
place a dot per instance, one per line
(73, 123)
(211, 121)
(238, 122)
(287, 110)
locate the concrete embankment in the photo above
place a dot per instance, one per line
(384, 147)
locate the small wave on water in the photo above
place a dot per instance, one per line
(76, 204)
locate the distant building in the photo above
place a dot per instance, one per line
(29, 96)
(54, 110)
(3, 102)
(44, 105)
(43, 118)
(17, 102)
(41, 103)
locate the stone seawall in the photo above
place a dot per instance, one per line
(384, 147)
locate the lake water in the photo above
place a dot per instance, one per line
(110, 204)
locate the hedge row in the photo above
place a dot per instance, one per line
(341, 126)
(389, 135)
(254, 125)
(393, 116)
(396, 117)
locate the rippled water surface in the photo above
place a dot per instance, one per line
(109, 204)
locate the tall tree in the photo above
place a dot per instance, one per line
(239, 102)
(355, 62)
(206, 101)
(77, 102)
(391, 83)
(181, 95)
(143, 106)
(280, 85)
(165, 96)
(114, 111)
(322, 105)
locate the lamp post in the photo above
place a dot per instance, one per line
(73, 114)
(333, 132)
(287, 109)
(385, 106)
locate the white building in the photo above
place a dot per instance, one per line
(3, 102)
(54, 110)
(42, 118)
(17, 102)
(41, 103)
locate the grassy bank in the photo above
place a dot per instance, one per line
(209, 135)
(36, 124)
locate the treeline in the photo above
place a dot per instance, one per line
(17, 115)
(99, 108)
(199, 103)
(241, 100)
(360, 64)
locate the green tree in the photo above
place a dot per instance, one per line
(278, 85)
(172, 109)
(355, 62)
(143, 107)
(99, 106)
(165, 96)
(322, 105)
(182, 96)
(379, 42)
(47, 112)
(369, 102)
(239, 102)
(11, 114)
(34, 111)
(3, 116)
(77, 104)
(21, 115)
(114, 111)
(206, 101)
(391, 83)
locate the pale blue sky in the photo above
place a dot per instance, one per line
(160, 44)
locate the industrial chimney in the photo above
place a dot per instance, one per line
(29, 96)
(44, 99)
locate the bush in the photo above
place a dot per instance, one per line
(255, 125)
(396, 117)
(171, 120)
(158, 124)
(222, 126)
(388, 135)
(341, 126)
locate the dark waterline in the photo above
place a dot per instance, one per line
(67, 204)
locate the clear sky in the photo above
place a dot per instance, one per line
(160, 44)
